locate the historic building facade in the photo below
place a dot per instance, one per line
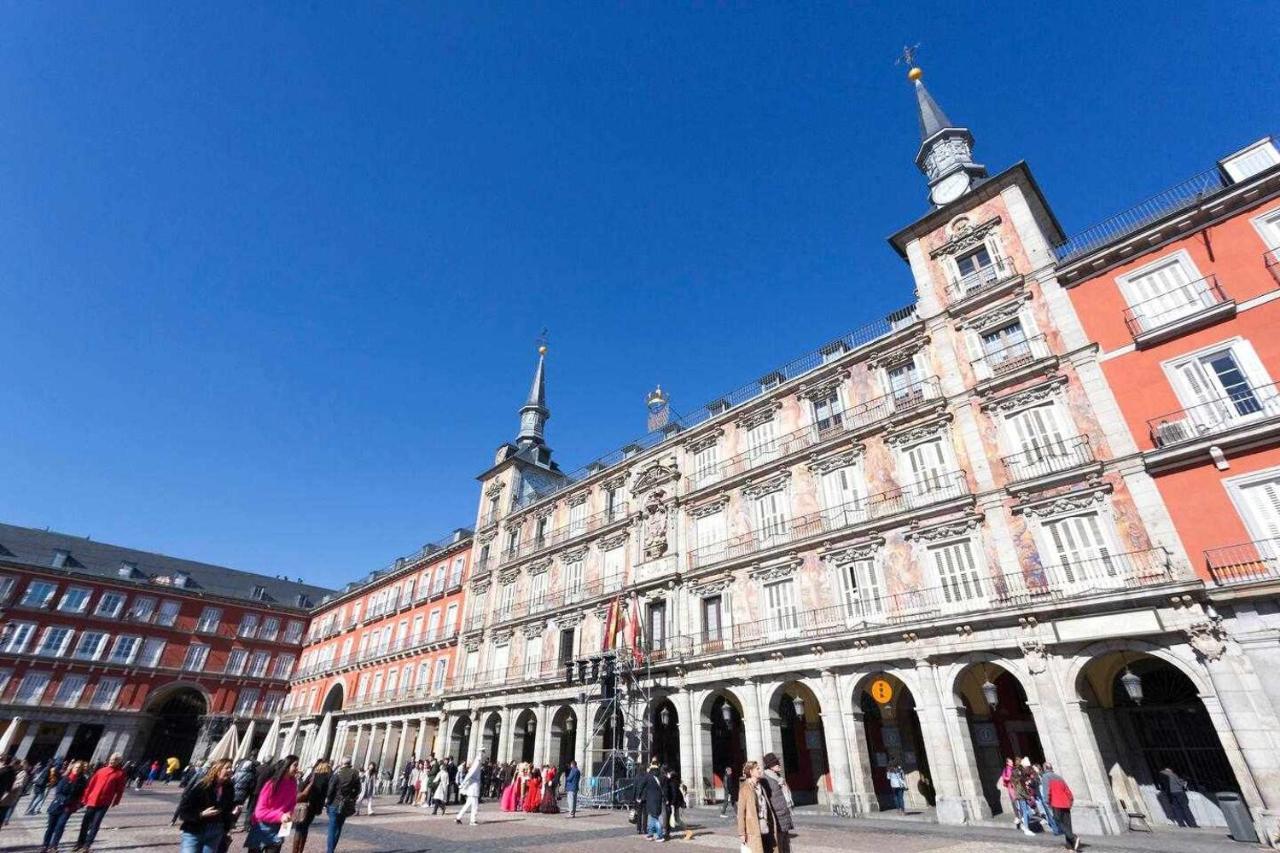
(107, 649)
(379, 658)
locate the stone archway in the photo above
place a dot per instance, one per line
(460, 739)
(664, 728)
(894, 737)
(1149, 720)
(524, 737)
(723, 740)
(1001, 725)
(491, 736)
(795, 717)
(564, 731)
(179, 714)
(333, 700)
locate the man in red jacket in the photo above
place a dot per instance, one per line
(1060, 800)
(105, 789)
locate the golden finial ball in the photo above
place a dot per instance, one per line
(915, 74)
(542, 349)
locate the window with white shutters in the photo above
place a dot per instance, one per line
(1261, 501)
(926, 469)
(393, 682)
(573, 579)
(507, 601)
(538, 591)
(828, 413)
(780, 604)
(578, 519)
(861, 589)
(31, 688)
(106, 692)
(904, 384)
(712, 619)
(1036, 439)
(762, 441)
(69, 690)
(442, 670)
(54, 641)
(841, 498)
(959, 576)
(470, 668)
(709, 535)
(16, 636)
(433, 626)
(501, 660)
(237, 659)
(532, 657)
(1221, 388)
(614, 562)
(1006, 346)
(771, 516)
(451, 620)
(1082, 553)
(1269, 226)
(90, 645)
(246, 702)
(152, 651)
(1167, 291)
(706, 465)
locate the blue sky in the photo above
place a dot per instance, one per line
(270, 274)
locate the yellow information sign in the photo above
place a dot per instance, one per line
(881, 691)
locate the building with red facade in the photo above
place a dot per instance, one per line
(379, 658)
(109, 649)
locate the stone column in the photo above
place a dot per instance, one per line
(29, 738)
(402, 746)
(751, 720)
(690, 771)
(473, 743)
(542, 737)
(837, 747)
(441, 741)
(1252, 725)
(951, 805)
(420, 741)
(67, 737)
(956, 718)
(582, 734)
(505, 735)
(763, 690)
(373, 739)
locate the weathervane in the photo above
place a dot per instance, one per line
(541, 340)
(908, 58)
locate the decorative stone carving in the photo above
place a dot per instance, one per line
(703, 440)
(898, 354)
(611, 542)
(822, 388)
(964, 235)
(502, 635)
(481, 585)
(656, 511)
(615, 482)
(487, 534)
(918, 433)
(533, 630)
(710, 586)
(946, 530)
(758, 415)
(544, 510)
(1070, 502)
(707, 508)
(508, 575)
(1026, 397)
(1002, 313)
(570, 620)
(572, 555)
(864, 550)
(653, 476)
(1208, 638)
(833, 462)
(1035, 654)
(767, 486)
(579, 498)
(776, 569)
(539, 566)
(493, 489)
(601, 611)
(471, 644)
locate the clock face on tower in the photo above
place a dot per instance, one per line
(950, 188)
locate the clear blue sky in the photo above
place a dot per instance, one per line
(270, 274)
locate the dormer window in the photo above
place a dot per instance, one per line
(181, 579)
(127, 569)
(1250, 161)
(259, 593)
(60, 558)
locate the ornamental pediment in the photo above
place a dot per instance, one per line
(767, 486)
(1002, 313)
(835, 461)
(653, 476)
(703, 440)
(1091, 497)
(707, 508)
(863, 550)
(965, 235)
(950, 529)
(1027, 397)
(822, 387)
(778, 569)
(759, 415)
(918, 433)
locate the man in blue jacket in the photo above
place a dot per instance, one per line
(572, 777)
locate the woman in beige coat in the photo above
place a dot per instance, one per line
(757, 823)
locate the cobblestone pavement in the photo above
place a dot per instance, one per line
(141, 823)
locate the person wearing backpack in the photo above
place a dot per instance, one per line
(340, 802)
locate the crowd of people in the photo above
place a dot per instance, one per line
(1038, 795)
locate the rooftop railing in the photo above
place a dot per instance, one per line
(1245, 405)
(1053, 456)
(784, 531)
(1162, 204)
(860, 337)
(1248, 562)
(1000, 270)
(1183, 301)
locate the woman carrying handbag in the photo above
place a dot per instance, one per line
(757, 823)
(310, 803)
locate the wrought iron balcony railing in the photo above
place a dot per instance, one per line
(785, 531)
(1248, 562)
(413, 642)
(529, 605)
(1183, 301)
(1052, 457)
(1000, 270)
(1245, 405)
(1272, 260)
(568, 531)
(1010, 358)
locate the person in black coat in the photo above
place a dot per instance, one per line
(66, 800)
(652, 801)
(207, 808)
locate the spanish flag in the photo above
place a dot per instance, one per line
(610, 626)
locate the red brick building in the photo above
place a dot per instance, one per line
(109, 649)
(382, 653)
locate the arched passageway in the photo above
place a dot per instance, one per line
(491, 737)
(723, 741)
(460, 740)
(178, 715)
(1156, 737)
(795, 716)
(564, 730)
(1001, 726)
(526, 736)
(891, 727)
(664, 726)
(333, 699)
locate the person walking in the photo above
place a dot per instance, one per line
(897, 780)
(451, 791)
(68, 792)
(1042, 797)
(469, 786)
(572, 777)
(104, 791)
(651, 801)
(311, 799)
(1179, 803)
(369, 787)
(1023, 790)
(779, 793)
(730, 781)
(404, 783)
(340, 801)
(207, 809)
(1060, 800)
(1006, 782)
(45, 777)
(261, 773)
(758, 827)
(10, 795)
(276, 801)
(440, 790)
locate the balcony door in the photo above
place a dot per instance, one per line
(1037, 440)
(1165, 292)
(1219, 393)
(1083, 556)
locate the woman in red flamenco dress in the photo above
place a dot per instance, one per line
(533, 791)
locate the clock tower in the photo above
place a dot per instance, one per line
(946, 151)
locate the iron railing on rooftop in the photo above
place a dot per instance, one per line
(1162, 204)
(859, 337)
(1182, 301)
(1246, 404)
(1248, 562)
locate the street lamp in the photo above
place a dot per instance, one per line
(798, 705)
(989, 691)
(1132, 685)
(726, 713)
(664, 717)
(570, 724)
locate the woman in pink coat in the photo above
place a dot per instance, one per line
(276, 800)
